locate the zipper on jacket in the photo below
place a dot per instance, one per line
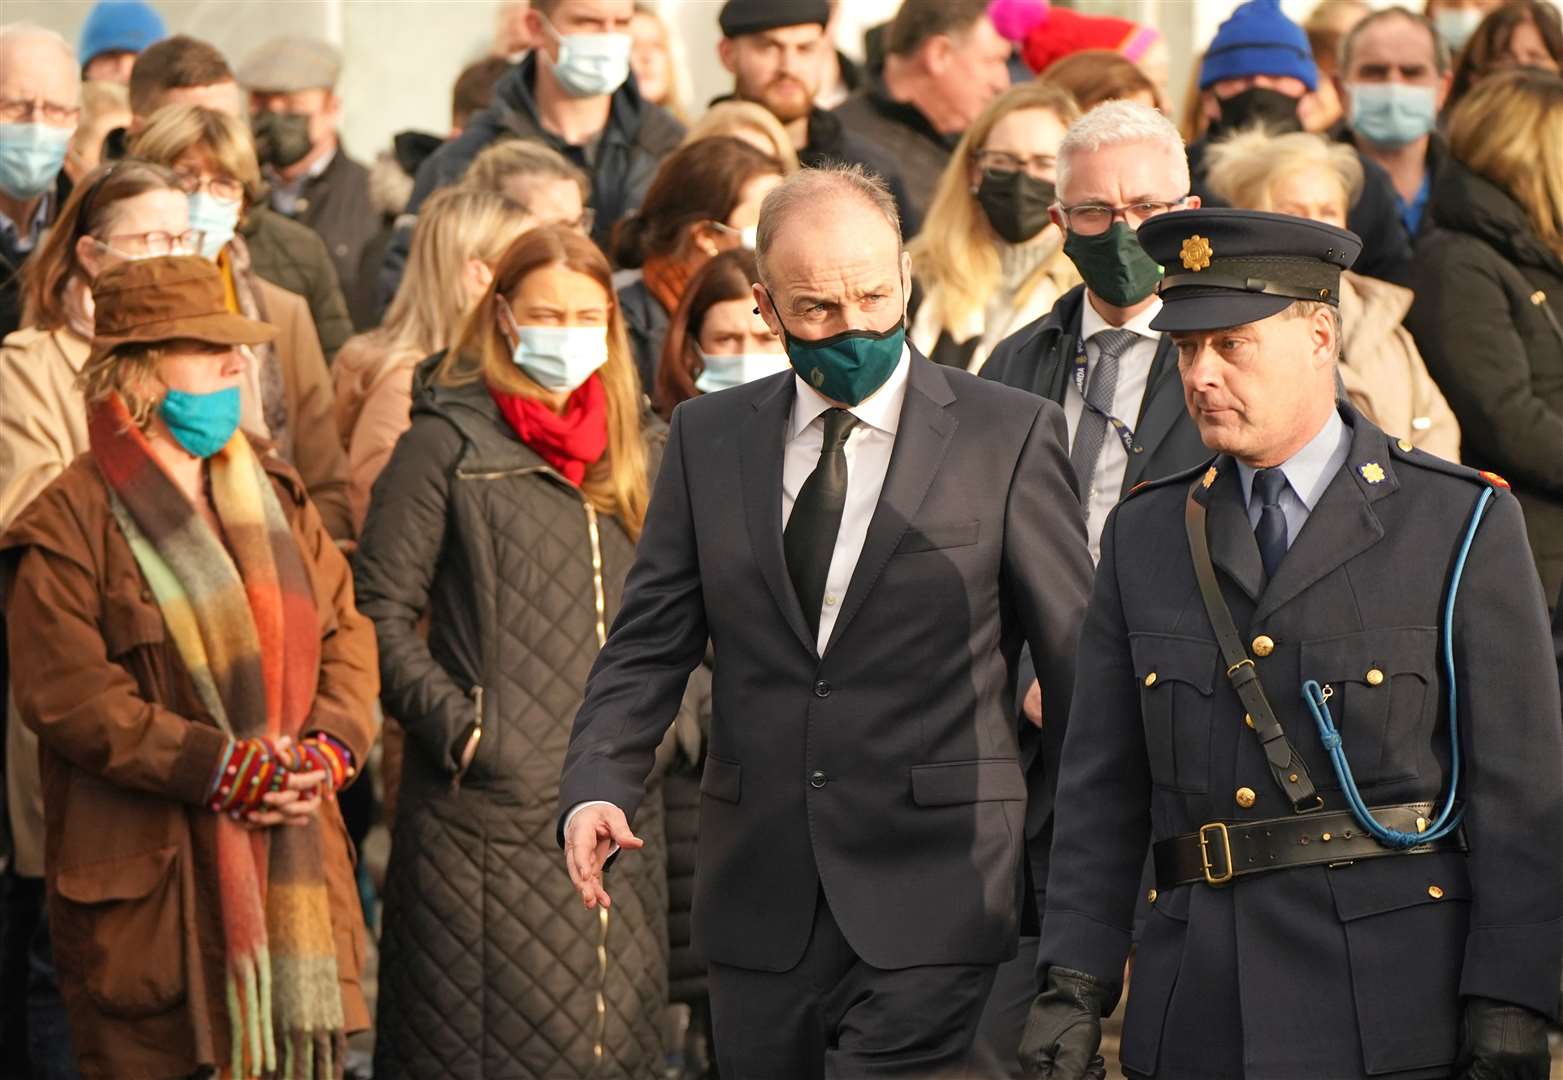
(602, 602)
(599, 1049)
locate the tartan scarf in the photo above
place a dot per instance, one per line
(244, 622)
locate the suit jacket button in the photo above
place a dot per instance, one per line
(817, 779)
(822, 689)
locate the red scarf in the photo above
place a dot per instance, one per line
(572, 441)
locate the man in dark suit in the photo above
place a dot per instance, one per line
(866, 544)
(1277, 686)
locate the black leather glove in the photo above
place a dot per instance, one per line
(1500, 1041)
(1064, 1030)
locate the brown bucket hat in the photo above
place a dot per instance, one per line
(167, 298)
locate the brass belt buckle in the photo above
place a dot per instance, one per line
(1220, 829)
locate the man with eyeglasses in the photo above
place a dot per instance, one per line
(40, 103)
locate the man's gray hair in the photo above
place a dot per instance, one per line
(15, 33)
(1442, 57)
(1120, 123)
(809, 189)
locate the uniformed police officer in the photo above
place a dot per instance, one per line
(1391, 908)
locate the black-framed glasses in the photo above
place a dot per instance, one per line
(1092, 219)
(25, 111)
(1040, 166)
(219, 187)
(134, 245)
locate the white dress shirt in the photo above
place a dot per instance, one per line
(1134, 370)
(1308, 472)
(868, 459)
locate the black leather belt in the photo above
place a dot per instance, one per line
(1221, 852)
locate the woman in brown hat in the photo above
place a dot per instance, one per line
(184, 643)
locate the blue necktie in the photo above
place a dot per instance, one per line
(1271, 530)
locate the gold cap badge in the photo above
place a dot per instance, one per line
(1196, 253)
(1372, 472)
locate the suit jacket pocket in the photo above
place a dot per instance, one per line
(720, 780)
(957, 782)
(1176, 677)
(118, 926)
(1407, 999)
(1382, 704)
(934, 537)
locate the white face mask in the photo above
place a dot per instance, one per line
(748, 236)
(723, 372)
(558, 358)
(591, 65)
(1456, 25)
(218, 218)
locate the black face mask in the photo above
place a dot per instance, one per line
(281, 139)
(1016, 203)
(1276, 111)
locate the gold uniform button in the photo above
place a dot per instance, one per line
(1245, 797)
(1248, 719)
(1405, 445)
(1150, 680)
(1151, 896)
(1374, 676)
(1435, 892)
(1264, 645)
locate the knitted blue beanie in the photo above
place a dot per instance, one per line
(119, 26)
(1258, 39)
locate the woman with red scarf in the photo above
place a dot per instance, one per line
(509, 513)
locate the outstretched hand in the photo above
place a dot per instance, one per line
(590, 838)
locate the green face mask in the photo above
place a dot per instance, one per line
(849, 366)
(1114, 265)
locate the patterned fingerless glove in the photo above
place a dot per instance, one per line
(322, 752)
(247, 771)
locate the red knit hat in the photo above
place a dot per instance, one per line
(1047, 34)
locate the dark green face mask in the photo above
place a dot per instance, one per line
(849, 366)
(1114, 265)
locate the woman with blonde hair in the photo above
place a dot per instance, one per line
(509, 513)
(212, 156)
(459, 237)
(1489, 294)
(989, 260)
(754, 124)
(1304, 174)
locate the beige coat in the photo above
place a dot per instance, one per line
(1383, 371)
(43, 428)
(373, 406)
(1054, 278)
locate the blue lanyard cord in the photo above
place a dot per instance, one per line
(1448, 819)
(1122, 430)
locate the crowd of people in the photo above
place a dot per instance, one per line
(440, 491)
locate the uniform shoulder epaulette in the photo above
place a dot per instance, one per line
(1405, 451)
(1183, 477)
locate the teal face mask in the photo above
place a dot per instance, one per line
(201, 423)
(849, 366)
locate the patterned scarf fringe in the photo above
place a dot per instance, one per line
(249, 1015)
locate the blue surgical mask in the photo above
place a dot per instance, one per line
(591, 65)
(218, 218)
(1392, 113)
(1456, 25)
(558, 358)
(723, 372)
(201, 423)
(30, 158)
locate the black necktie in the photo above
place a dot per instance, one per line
(1271, 530)
(810, 537)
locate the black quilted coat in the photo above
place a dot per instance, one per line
(489, 966)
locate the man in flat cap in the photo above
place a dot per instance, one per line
(1316, 676)
(296, 112)
(777, 52)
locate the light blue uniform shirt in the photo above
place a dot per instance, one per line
(1308, 472)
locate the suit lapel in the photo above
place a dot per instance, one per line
(921, 442)
(1343, 524)
(761, 448)
(1163, 405)
(1232, 545)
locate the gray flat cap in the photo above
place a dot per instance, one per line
(285, 64)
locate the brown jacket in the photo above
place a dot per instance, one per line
(373, 409)
(1383, 372)
(127, 753)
